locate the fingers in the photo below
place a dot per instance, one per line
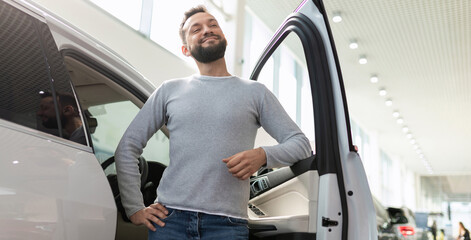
(226, 160)
(236, 165)
(159, 207)
(240, 168)
(150, 226)
(242, 165)
(242, 174)
(153, 213)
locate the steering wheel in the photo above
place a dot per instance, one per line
(142, 163)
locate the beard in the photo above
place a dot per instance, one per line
(211, 53)
(52, 122)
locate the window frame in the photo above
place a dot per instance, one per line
(41, 29)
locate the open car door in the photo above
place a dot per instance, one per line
(326, 196)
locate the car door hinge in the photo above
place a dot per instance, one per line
(326, 222)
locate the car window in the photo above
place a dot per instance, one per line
(286, 75)
(109, 106)
(397, 216)
(112, 121)
(35, 88)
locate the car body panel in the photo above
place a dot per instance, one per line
(51, 190)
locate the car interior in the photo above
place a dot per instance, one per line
(284, 201)
(103, 101)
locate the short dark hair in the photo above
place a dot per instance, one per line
(64, 98)
(188, 14)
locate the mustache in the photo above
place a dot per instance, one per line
(210, 35)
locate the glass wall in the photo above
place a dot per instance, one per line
(166, 20)
(158, 20)
(285, 73)
(127, 11)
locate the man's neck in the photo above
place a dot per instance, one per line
(215, 69)
(72, 125)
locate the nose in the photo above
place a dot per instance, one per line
(207, 30)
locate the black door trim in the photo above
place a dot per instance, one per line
(320, 6)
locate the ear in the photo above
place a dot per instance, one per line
(68, 110)
(185, 51)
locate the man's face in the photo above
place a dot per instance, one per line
(47, 113)
(205, 40)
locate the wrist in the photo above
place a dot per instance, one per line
(263, 155)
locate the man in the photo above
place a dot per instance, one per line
(212, 119)
(68, 114)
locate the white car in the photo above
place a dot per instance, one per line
(65, 101)
(403, 221)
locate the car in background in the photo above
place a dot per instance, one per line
(403, 222)
(383, 222)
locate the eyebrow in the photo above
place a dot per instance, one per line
(199, 24)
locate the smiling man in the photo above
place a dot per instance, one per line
(212, 119)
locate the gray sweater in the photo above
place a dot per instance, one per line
(209, 119)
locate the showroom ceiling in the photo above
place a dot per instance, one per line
(421, 52)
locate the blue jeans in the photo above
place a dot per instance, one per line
(181, 225)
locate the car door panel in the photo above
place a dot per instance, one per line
(344, 207)
(354, 177)
(50, 189)
(287, 206)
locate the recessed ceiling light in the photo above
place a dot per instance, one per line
(396, 114)
(405, 129)
(336, 18)
(382, 92)
(400, 121)
(412, 141)
(353, 44)
(388, 102)
(362, 59)
(409, 135)
(374, 78)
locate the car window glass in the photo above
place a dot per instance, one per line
(23, 70)
(112, 121)
(71, 118)
(24, 73)
(286, 75)
(397, 215)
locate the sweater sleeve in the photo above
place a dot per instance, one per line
(146, 123)
(293, 144)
